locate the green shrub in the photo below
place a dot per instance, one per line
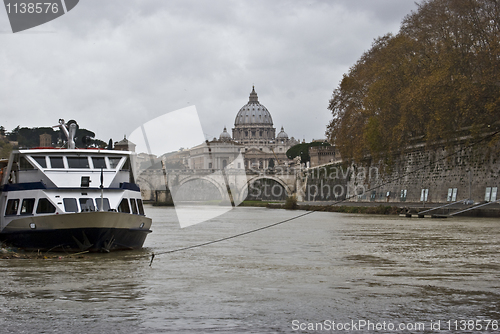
(291, 203)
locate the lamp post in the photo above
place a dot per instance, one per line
(470, 184)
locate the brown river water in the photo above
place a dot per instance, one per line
(322, 273)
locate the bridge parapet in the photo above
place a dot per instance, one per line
(237, 180)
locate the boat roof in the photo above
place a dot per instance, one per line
(78, 151)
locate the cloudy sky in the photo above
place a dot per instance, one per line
(113, 65)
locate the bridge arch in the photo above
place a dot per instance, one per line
(148, 186)
(241, 185)
(206, 188)
(267, 187)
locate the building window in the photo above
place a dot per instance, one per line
(403, 195)
(209, 165)
(490, 194)
(452, 195)
(424, 195)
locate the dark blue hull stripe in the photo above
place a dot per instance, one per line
(23, 186)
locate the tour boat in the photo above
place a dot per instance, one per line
(71, 200)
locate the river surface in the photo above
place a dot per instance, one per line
(292, 278)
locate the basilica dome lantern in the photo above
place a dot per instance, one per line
(253, 123)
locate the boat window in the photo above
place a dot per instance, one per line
(113, 162)
(87, 204)
(12, 205)
(44, 206)
(56, 162)
(78, 162)
(24, 164)
(141, 207)
(85, 182)
(134, 206)
(99, 162)
(70, 205)
(27, 206)
(124, 207)
(105, 204)
(41, 161)
(126, 165)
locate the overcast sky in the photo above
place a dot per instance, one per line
(113, 65)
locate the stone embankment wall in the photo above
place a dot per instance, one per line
(442, 174)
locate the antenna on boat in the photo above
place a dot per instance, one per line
(69, 130)
(102, 191)
(72, 132)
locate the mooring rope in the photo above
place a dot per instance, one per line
(230, 237)
(312, 211)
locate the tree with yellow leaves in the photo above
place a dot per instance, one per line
(438, 77)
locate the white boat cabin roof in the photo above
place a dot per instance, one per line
(67, 168)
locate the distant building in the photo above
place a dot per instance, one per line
(46, 140)
(254, 136)
(125, 145)
(321, 155)
(215, 154)
(144, 160)
(253, 128)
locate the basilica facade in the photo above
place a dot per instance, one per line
(253, 135)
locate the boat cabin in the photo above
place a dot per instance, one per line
(48, 181)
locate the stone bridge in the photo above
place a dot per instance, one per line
(222, 185)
